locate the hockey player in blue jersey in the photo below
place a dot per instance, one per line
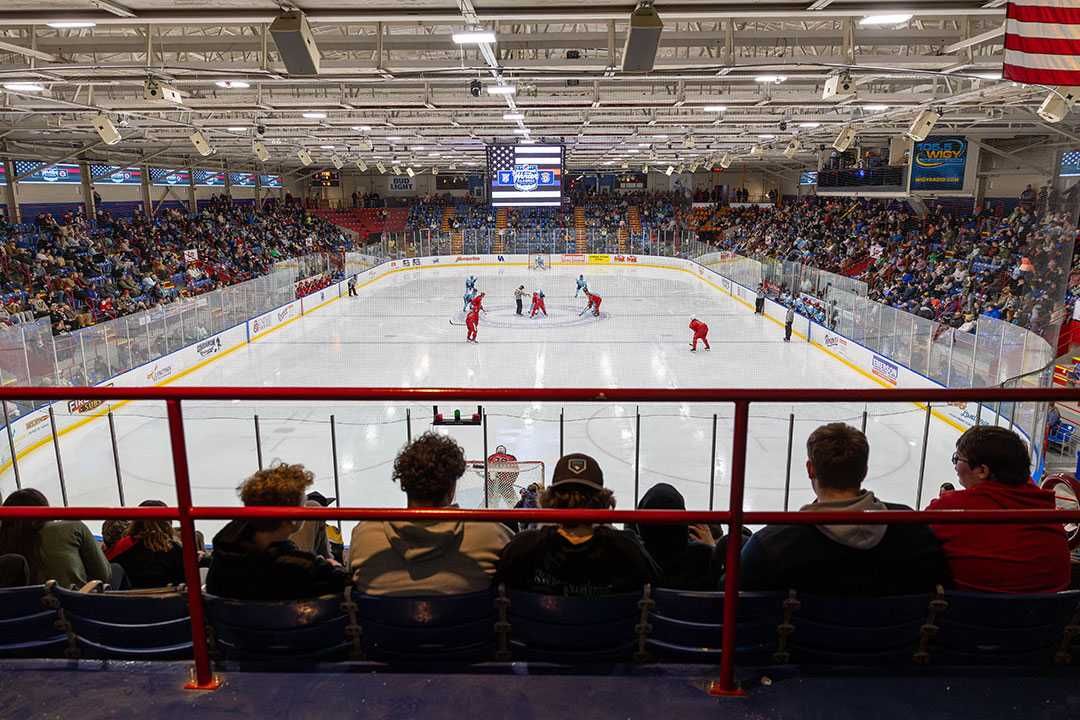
(581, 285)
(470, 293)
(470, 283)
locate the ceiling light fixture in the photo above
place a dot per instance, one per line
(315, 115)
(809, 124)
(71, 24)
(875, 108)
(777, 79)
(24, 87)
(715, 108)
(501, 89)
(897, 19)
(513, 116)
(237, 129)
(233, 84)
(473, 37)
(361, 128)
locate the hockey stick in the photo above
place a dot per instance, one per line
(456, 324)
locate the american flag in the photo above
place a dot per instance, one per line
(1070, 164)
(1042, 42)
(525, 175)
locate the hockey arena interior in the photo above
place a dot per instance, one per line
(406, 359)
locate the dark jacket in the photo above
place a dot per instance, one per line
(865, 560)
(684, 564)
(281, 572)
(543, 561)
(147, 568)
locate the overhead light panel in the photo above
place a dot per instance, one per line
(513, 116)
(775, 79)
(236, 129)
(27, 87)
(897, 19)
(809, 125)
(875, 108)
(922, 125)
(361, 128)
(715, 108)
(473, 37)
(233, 84)
(314, 115)
(501, 89)
(71, 24)
(766, 136)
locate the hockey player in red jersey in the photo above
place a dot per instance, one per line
(471, 321)
(701, 332)
(594, 304)
(477, 303)
(503, 475)
(538, 304)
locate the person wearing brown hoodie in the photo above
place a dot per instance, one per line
(426, 557)
(994, 468)
(862, 560)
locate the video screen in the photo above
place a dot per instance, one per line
(808, 177)
(1070, 163)
(525, 175)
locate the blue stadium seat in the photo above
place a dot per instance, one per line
(858, 630)
(425, 629)
(688, 626)
(574, 630)
(29, 624)
(127, 625)
(282, 633)
(1003, 629)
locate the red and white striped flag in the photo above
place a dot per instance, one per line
(1042, 42)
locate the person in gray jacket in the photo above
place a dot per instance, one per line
(428, 557)
(518, 295)
(789, 320)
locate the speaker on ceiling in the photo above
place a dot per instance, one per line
(642, 38)
(295, 43)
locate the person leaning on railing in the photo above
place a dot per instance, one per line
(867, 560)
(254, 559)
(993, 466)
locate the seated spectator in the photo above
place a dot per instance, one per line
(255, 560)
(14, 572)
(60, 550)
(311, 537)
(994, 468)
(576, 559)
(684, 553)
(111, 533)
(149, 552)
(430, 557)
(842, 559)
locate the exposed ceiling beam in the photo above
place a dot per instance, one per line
(36, 54)
(974, 40)
(113, 7)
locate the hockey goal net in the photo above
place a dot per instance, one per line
(507, 481)
(539, 261)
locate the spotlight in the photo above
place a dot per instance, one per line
(725, 161)
(361, 165)
(304, 156)
(410, 171)
(670, 169)
(475, 88)
(381, 168)
(260, 151)
(922, 125)
(757, 150)
(791, 149)
(844, 139)
(337, 161)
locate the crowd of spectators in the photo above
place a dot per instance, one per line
(79, 273)
(281, 559)
(940, 266)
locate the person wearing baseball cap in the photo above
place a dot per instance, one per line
(581, 559)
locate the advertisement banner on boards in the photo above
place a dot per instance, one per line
(939, 163)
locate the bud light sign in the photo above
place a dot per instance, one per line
(938, 163)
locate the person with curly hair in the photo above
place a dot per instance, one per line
(254, 559)
(582, 559)
(431, 557)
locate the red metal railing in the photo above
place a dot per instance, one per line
(186, 513)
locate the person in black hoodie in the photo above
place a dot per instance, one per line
(576, 560)
(862, 560)
(686, 555)
(255, 560)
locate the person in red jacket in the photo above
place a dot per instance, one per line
(993, 466)
(701, 332)
(538, 304)
(594, 303)
(471, 322)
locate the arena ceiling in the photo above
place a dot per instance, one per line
(394, 86)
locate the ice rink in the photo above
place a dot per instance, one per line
(398, 333)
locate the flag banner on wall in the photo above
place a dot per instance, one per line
(36, 171)
(1042, 42)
